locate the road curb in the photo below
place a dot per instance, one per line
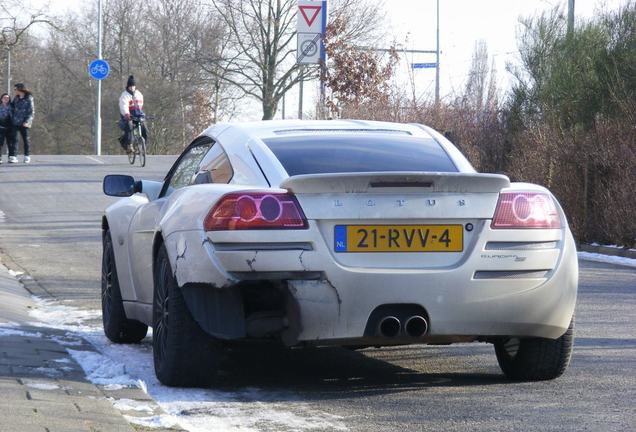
(607, 250)
(31, 285)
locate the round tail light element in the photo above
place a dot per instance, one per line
(246, 208)
(271, 208)
(255, 210)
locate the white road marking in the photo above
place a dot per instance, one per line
(96, 160)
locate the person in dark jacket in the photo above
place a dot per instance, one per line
(23, 111)
(6, 125)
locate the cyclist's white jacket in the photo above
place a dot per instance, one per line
(127, 103)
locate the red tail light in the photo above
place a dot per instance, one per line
(255, 210)
(525, 210)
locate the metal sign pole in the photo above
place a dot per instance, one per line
(98, 108)
(323, 61)
(310, 31)
(437, 61)
(300, 95)
(570, 16)
(284, 102)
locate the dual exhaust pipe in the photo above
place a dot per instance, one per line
(415, 326)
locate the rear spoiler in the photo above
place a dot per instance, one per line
(407, 181)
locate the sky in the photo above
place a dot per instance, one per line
(462, 23)
(412, 23)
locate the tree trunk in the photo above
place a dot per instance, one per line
(269, 109)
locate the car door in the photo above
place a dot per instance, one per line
(146, 219)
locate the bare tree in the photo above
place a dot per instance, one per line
(263, 39)
(14, 26)
(481, 86)
(364, 21)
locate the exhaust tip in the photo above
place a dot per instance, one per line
(416, 326)
(389, 326)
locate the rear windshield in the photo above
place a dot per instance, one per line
(366, 153)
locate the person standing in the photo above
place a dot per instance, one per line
(6, 125)
(131, 103)
(23, 111)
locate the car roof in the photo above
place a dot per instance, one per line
(276, 128)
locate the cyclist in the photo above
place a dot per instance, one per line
(131, 103)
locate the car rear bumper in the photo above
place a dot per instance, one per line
(455, 302)
(516, 292)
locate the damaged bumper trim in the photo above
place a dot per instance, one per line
(279, 275)
(290, 246)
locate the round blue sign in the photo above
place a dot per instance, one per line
(99, 69)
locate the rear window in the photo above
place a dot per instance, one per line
(368, 153)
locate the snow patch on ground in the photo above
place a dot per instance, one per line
(63, 317)
(40, 385)
(131, 405)
(10, 324)
(67, 340)
(100, 369)
(114, 387)
(611, 246)
(50, 372)
(249, 409)
(158, 421)
(4, 331)
(589, 256)
(118, 366)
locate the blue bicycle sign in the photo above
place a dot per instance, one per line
(98, 69)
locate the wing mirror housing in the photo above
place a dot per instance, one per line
(118, 185)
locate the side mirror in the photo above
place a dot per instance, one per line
(203, 178)
(120, 185)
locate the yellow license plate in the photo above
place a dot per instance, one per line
(399, 238)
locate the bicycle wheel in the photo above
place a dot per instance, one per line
(141, 146)
(132, 155)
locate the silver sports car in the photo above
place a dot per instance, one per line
(348, 233)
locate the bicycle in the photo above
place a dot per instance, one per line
(138, 142)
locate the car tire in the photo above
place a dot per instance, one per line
(535, 359)
(117, 327)
(184, 355)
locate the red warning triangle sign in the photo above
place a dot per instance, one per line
(311, 15)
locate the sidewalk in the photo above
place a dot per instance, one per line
(43, 389)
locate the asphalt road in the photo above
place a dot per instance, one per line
(50, 228)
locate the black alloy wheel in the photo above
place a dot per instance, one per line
(117, 327)
(184, 355)
(535, 359)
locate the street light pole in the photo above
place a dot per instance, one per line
(9, 71)
(98, 108)
(437, 60)
(570, 16)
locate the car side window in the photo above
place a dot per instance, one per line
(184, 173)
(215, 167)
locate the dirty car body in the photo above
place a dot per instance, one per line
(346, 233)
